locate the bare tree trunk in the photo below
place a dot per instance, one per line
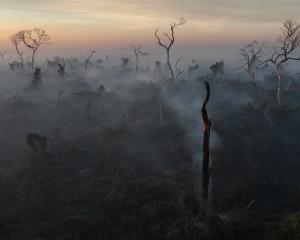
(137, 64)
(256, 102)
(161, 105)
(22, 62)
(279, 100)
(86, 66)
(32, 60)
(20, 56)
(206, 139)
(170, 66)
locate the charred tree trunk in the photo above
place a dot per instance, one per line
(206, 140)
(279, 100)
(256, 101)
(170, 66)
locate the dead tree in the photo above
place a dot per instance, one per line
(288, 42)
(61, 69)
(206, 141)
(37, 144)
(138, 52)
(15, 40)
(37, 79)
(170, 41)
(88, 59)
(125, 61)
(159, 77)
(15, 66)
(178, 69)
(34, 39)
(217, 69)
(252, 55)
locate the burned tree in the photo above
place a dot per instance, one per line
(217, 69)
(37, 144)
(138, 52)
(125, 62)
(178, 69)
(206, 139)
(15, 66)
(158, 76)
(288, 42)
(88, 59)
(252, 55)
(16, 40)
(61, 69)
(170, 41)
(37, 79)
(34, 39)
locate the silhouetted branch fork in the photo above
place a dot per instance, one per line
(171, 41)
(206, 139)
(88, 59)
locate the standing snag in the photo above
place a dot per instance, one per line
(288, 42)
(37, 144)
(34, 39)
(170, 40)
(16, 40)
(61, 69)
(217, 69)
(206, 139)
(88, 59)
(178, 69)
(138, 52)
(37, 79)
(252, 55)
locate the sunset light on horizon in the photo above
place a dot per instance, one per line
(116, 23)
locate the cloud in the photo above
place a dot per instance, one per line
(233, 10)
(206, 19)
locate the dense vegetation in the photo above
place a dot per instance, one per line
(112, 170)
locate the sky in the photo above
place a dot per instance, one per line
(115, 24)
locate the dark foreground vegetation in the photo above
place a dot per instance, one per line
(110, 170)
(94, 150)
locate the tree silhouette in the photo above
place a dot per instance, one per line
(138, 52)
(88, 59)
(16, 40)
(206, 139)
(171, 40)
(252, 55)
(288, 42)
(34, 39)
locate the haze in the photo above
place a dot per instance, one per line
(111, 25)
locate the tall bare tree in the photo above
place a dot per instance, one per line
(252, 55)
(178, 69)
(88, 59)
(138, 52)
(16, 41)
(170, 39)
(287, 43)
(206, 143)
(34, 39)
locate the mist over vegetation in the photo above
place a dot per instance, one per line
(107, 147)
